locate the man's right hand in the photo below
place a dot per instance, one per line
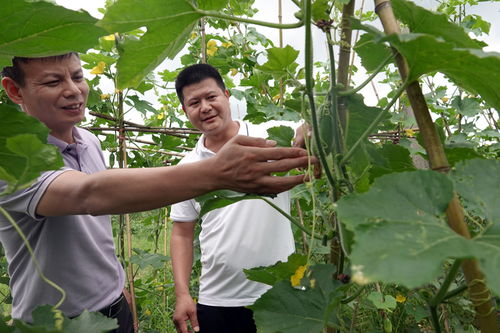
(185, 310)
(245, 164)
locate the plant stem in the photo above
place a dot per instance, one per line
(478, 290)
(292, 219)
(344, 56)
(435, 319)
(247, 20)
(446, 284)
(455, 292)
(353, 297)
(310, 93)
(374, 123)
(369, 79)
(33, 258)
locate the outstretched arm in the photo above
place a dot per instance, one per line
(181, 251)
(241, 165)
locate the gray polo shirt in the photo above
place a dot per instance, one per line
(77, 252)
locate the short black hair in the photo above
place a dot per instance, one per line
(16, 73)
(194, 74)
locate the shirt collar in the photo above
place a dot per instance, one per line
(200, 145)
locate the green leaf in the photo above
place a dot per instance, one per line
(287, 309)
(457, 154)
(466, 106)
(381, 301)
(476, 182)
(144, 259)
(283, 135)
(24, 153)
(421, 20)
(472, 69)
(280, 271)
(372, 54)
(360, 118)
(168, 24)
(388, 159)
(90, 322)
(39, 28)
(140, 105)
(401, 233)
(212, 4)
(319, 10)
(280, 61)
(222, 198)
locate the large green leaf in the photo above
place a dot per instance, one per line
(372, 54)
(24, 153)
(277, 272)
(401, 233)
(389, 158)
(39, 28)
(168, 26)
(476, 181)
(300, 310)
(212, 4)
(472, 69)
(280, 61)
(421, 20)
(283, 135)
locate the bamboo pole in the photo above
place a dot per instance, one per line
(126, 217)
(478, 290)
(344, 56)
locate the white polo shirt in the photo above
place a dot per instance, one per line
(247, 234)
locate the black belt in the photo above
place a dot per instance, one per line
(112, 309)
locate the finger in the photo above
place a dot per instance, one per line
(282, 165)
(181, 326)
(275, 184)
(194, 322)
(276, 153)
(252, 141)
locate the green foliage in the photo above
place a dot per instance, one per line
(164, 38)
(280, 271)
(306, 309)
(23, 149)
(406, 243)
(283, 135)
(221, 198)
(420, 20)
(39, 28)
(46, 320)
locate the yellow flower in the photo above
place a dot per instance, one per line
(147, 312)
(233, 71)
(226, 45)
(193, 35)
(410, 133)
(276, 98)
(160, 116)
(99, 69)
(444, 99)
(105, 96)
(109, 37)
(159, 288)
(299, 274)
(117, 91)
(400, 298)
(211, 47)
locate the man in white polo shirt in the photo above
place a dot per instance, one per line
(246, 234)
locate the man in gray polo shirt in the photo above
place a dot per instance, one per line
(63, 214)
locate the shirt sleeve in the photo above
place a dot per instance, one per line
(25, 201)
(185, 211)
